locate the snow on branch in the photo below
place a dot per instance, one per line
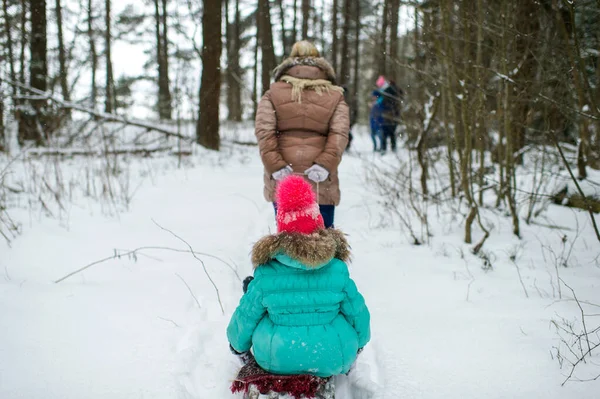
(41, 95)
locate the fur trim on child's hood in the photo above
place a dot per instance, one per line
(311, 250)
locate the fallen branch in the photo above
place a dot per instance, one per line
(199, 260)
(98, 115)
(190, 290)
(119, 255)
(585, 199)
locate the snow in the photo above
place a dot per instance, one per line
(130, 327)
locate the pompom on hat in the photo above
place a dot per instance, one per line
(297, 208)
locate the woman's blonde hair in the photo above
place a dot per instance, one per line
(304, 49)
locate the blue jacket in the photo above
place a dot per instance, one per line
(376, 118)
(302, 313)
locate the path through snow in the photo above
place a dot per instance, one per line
(130, 328)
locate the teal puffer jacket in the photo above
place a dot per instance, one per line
(302, 313)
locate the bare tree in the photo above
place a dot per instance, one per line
(233, 44)
(36, 127)
(207, 129)
(93, 53)
(334, 34)
(62, 54)
(109, 100)
(344, 75)
(266, 44)
(305, 18)
(164, 93)
(295, 23)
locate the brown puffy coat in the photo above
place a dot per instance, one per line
(303, 120)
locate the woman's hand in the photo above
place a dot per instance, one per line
(283, 173)
(317, 173)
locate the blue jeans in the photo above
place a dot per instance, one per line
(327, 213)
(389, 131)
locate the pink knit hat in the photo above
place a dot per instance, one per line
(297, 208)
(382, 82)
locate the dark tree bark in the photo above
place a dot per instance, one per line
(2, 129)
(266, 44)
(23, 40)
(305, 18)
(357, 27)
(295, 24)
(62, 55)
(38, 67)
(168, 106)
(234, 69)
(93, 54)
(207, 129)
(383, 40)
(164, 94)
(256, 48)
(334, 35)
(393, 59)
(109, 101)
(9, 45)
(232, 76)
(37, 127)
(344, 75)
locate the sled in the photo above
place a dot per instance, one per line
(256, 383)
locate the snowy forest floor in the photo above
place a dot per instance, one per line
(150, 325)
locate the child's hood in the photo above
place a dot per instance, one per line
(303, 251)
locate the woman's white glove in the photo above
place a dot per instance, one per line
(283, 173)
(317, 173)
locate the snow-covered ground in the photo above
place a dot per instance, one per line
(150, 325)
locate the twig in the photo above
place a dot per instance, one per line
(190, 290)
(134, 252)
(585, 199)
(169, 320)
(585, 333)
(199, 260)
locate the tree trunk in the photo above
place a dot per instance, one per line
(334, 35)
(357, 27)
(393, 59)
(23, 40)
(284, 40)
(93, 54)
(9, 45)
(164, 94)
(168, 111)
(207, 129)
(23, 33)
(256, 48)
(232, 33)
(109, 101)
(266, 44)
(2, 128)
(295, 23)
(344, 75)
(383, 39)
(62, 56)
(38, 70)
(480, 107)
(305, 18)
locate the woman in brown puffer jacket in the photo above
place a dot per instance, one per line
(302, 126)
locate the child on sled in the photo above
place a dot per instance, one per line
(302, 314)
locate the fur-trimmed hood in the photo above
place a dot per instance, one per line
(318, 62)
(318, 85)
(311, 251)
